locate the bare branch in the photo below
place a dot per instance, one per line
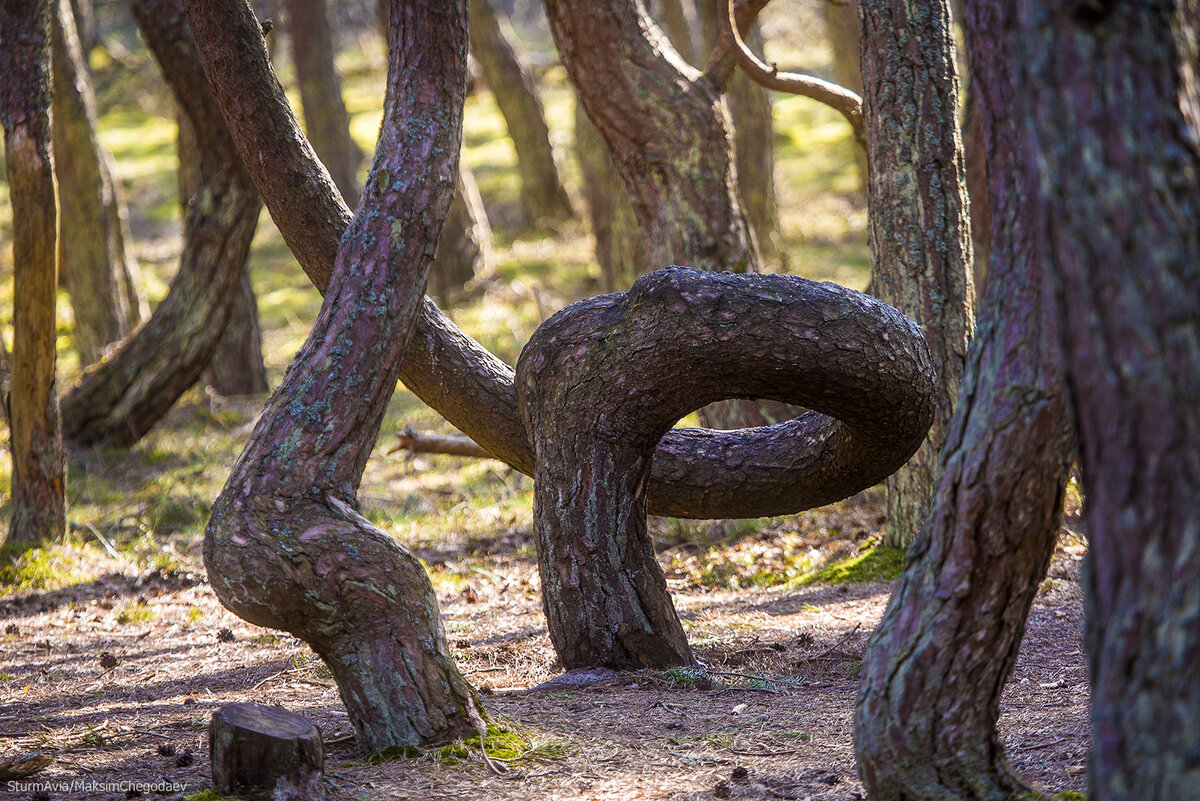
(445, 444)
(735, 20)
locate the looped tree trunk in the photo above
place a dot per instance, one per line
(600, 383)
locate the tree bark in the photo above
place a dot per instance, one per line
(919, 230)
(937, 664)
(620, 248)
(237, 367)
(595, 417)
(265, 749)
(1111, 119)
(543, 196)
(96, 267)
(695, 473)
(678, 19)
(121, 399)
(286, 546)
(325, 117)
(465, 250)
(39, 477)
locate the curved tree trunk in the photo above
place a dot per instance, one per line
(286, 546)
(96, 267)
(919, 231)
(620, 248)
(936, 666)
(325, 117)
(39, 477)
(119, 400)
(237, 367)
(1110, 108)
(464, 251)
(595, 417)
(841, 26)
(542, 193)
(695, 473)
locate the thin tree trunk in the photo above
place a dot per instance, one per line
(677, 18)
(39, 477)
(96, 267)
(121, 399)
(325, 119)
(841, 26)
(919, 230)
(620, 249)
(542, 193)
(286, 546)
(465, 251)
(1110, 113)
(237, 367)
(595, 416)
(936, 666)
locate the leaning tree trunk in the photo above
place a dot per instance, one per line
(96, 266)
(1110, 120)
(936, 666)
(325, 117)
(39, 477)
(543, 196)
(620, 249)
(119, 400)
(237, 367)
(286, 546)
(919, 232)
(465, 250)
(595, 417)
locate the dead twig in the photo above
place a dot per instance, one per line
(445, 444)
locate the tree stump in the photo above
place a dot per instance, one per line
(266, 750)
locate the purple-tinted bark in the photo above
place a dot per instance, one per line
(937, 664)
(602, 381)
(286, 546)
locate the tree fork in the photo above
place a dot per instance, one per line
(601, 382)
(286, 546)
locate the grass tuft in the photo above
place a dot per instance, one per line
(877, 563)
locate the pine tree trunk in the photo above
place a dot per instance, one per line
(96, 267)
(465, 250)
(595, 417)
(237, 368)
(919, 231)
(122, 398)
(620, 248)
(325, 119)
(39, 477)
(286, 546)
(543, 196)
(936, 666)
(1111, 119)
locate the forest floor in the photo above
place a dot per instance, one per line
(117, 675)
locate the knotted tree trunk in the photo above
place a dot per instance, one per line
(542, 193)
(120, 399)
(601, 382)
(936, 666)
(286, 546)
(919, 231)
(97, 269)
(39, 477)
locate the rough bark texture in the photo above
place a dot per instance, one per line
(237, 367)
(286, 546)
(936, 666)
(595, 415)
(96, 267)
(265, 749)
(620, 247)
(841, 28)
(919, 232)
(543, 196)
(325, 117)
(465, 251)
(120, 399)
(39, 478)
(666, 130)
(1111, 112)
(694, 473)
